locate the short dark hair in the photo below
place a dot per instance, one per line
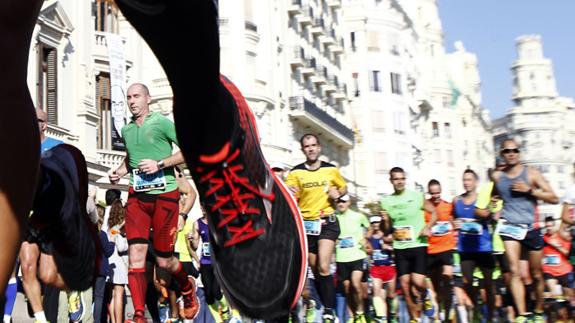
(112, 194)
(307, 136)
(472, 172)
(396, 170)
(433, 182)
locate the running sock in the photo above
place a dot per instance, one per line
(10, 294)
(528, 299)
(392, 305)
(138, 285)
(181, 277)
(378, 305)
(40, 317)
(327, 289)
(462, 312)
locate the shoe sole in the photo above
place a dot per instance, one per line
(243, 108)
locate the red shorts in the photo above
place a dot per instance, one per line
(160, 211)
(385, 273)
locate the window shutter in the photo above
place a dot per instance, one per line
(52, 86)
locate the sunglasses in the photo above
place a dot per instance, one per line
(340, 201)
(510, 150)
(40, 120)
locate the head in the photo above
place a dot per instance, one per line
(139, 99)
(434, 190)
(112, 194)
(397, 179)
(509, 151)
(470, 179)
(375, 222)
(343, 203)
(550, 225)
(310, 147)
(42, 117)
(117, 214)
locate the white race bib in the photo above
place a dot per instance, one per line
(378, 255)
(146, 182)
(206, 249)
(312, 227)
(347, 242)
(552, 260)
(403, 233)
(471, 228)
(515, 231)
(441, 228)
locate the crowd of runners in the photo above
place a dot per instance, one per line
(268, 247)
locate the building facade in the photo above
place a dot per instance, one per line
(541, 121)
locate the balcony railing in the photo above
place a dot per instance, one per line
(319, 118)
(110, 158)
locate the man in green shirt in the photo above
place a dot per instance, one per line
(350, 255)
(152, 200)
(403, 215)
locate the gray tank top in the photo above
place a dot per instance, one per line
(518, 208)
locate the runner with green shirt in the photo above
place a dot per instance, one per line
(403, 215)
(350, 254)
(152, 199)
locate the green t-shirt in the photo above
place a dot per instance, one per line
(152, 140)
(406, 213)
(352, 227)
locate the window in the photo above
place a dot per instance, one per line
(103, 106)
(47, 85)
(352, 37)
(372, 41)
(449, 156)
(437, 156)
(395, 83)
(381, 163)
(355, 84)
(374, 81)
(435, 128)
(106, 14)
(447, 130)
(378, 121)
(398, 123)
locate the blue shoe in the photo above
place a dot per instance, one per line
(164, 311)
(428, 308)
(75, 306)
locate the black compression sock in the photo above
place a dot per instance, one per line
(327, 288)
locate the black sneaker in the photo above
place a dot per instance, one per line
(257, 237)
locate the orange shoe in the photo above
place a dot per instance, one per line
(191, 303)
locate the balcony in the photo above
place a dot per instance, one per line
(305, 19)
(295, 8)
(341, 93)
(309, 68)
(308, 114)
(335, 4)
(329, 37)
(297, 60)
(318, 27)
(110, 158)
(100, 52)
(337, 47)
(57, 132)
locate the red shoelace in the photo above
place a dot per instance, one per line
(234, 202)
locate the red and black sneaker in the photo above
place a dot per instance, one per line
(257, 236)
(191, 304)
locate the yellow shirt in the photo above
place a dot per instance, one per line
(181, 241)
(313, 186)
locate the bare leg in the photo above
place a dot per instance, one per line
(29, 255)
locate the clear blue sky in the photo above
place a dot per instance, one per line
(488, 28)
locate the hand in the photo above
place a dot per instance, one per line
(113, 176)
(520, 186)
(425, 232)
(181, 222)
(384, 215)
(148, 166)
(294, 190)
(333, 193)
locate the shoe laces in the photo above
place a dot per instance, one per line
(234, 201)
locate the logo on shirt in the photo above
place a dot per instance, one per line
(314, 184)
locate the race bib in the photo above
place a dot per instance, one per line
(206, 249)
(146, 182)
(441, 228)
(347, 242)
(403, 233)
(378, 255)
(515, 231)
(471, 228)
(312, 227)
(551, 260)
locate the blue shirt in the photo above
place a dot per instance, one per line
(474, 235)
(49, 143)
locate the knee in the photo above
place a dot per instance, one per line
(357, 286)
(163, 263)
(537, 274)
(48, 276)
(324, 269)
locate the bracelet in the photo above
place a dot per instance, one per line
(184, 215)
(161, 164)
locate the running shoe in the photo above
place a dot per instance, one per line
(310, 311)
(538, 318)
(225, 314)
(256, 232)
(164, 312)
(521, 319)
(329, 318)
(190, 305)
(428, 308)
(137, 318)
(360, 318)
(75, 306)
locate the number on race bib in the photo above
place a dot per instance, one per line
(441, 228)
(146, 182)
(312, 227)
(515, 231)
(403, 233)
(347, 242)
(552, 260)
(206, 249)
(471, 228)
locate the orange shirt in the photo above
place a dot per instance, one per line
(442, 234)
(554, 262)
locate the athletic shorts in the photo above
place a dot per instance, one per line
(411, 261)
(481, 259)
(329, 230)
(502, 262)
(384, 273)
(344, 269)
(533, 240)
(564, 280)
(158, 211)
(438, 260)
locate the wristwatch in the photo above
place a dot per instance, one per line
(161, 164)
(184, 215)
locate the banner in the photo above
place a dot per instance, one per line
(117, 88)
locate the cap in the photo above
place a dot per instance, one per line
(375, 218)
(344, 198)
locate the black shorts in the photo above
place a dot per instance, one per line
(411, 261)
(438, 260)
(344, 269)
(533, 240)
(481, 259)
(329, 230)
(458, 281)
(565, 281)
(501, 260)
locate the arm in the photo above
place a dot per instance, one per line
(339, 186)
(107, 245)
(565, 214)
(538, 187)
(194, 237)
(386, 223)
(564, 233)
(428, 207)
(115, 175)
(151, 166)
(186, 188)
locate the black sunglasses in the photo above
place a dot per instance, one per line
(340, 201)
(510, 150)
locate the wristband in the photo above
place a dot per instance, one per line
(184, 215)
(161, 164)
